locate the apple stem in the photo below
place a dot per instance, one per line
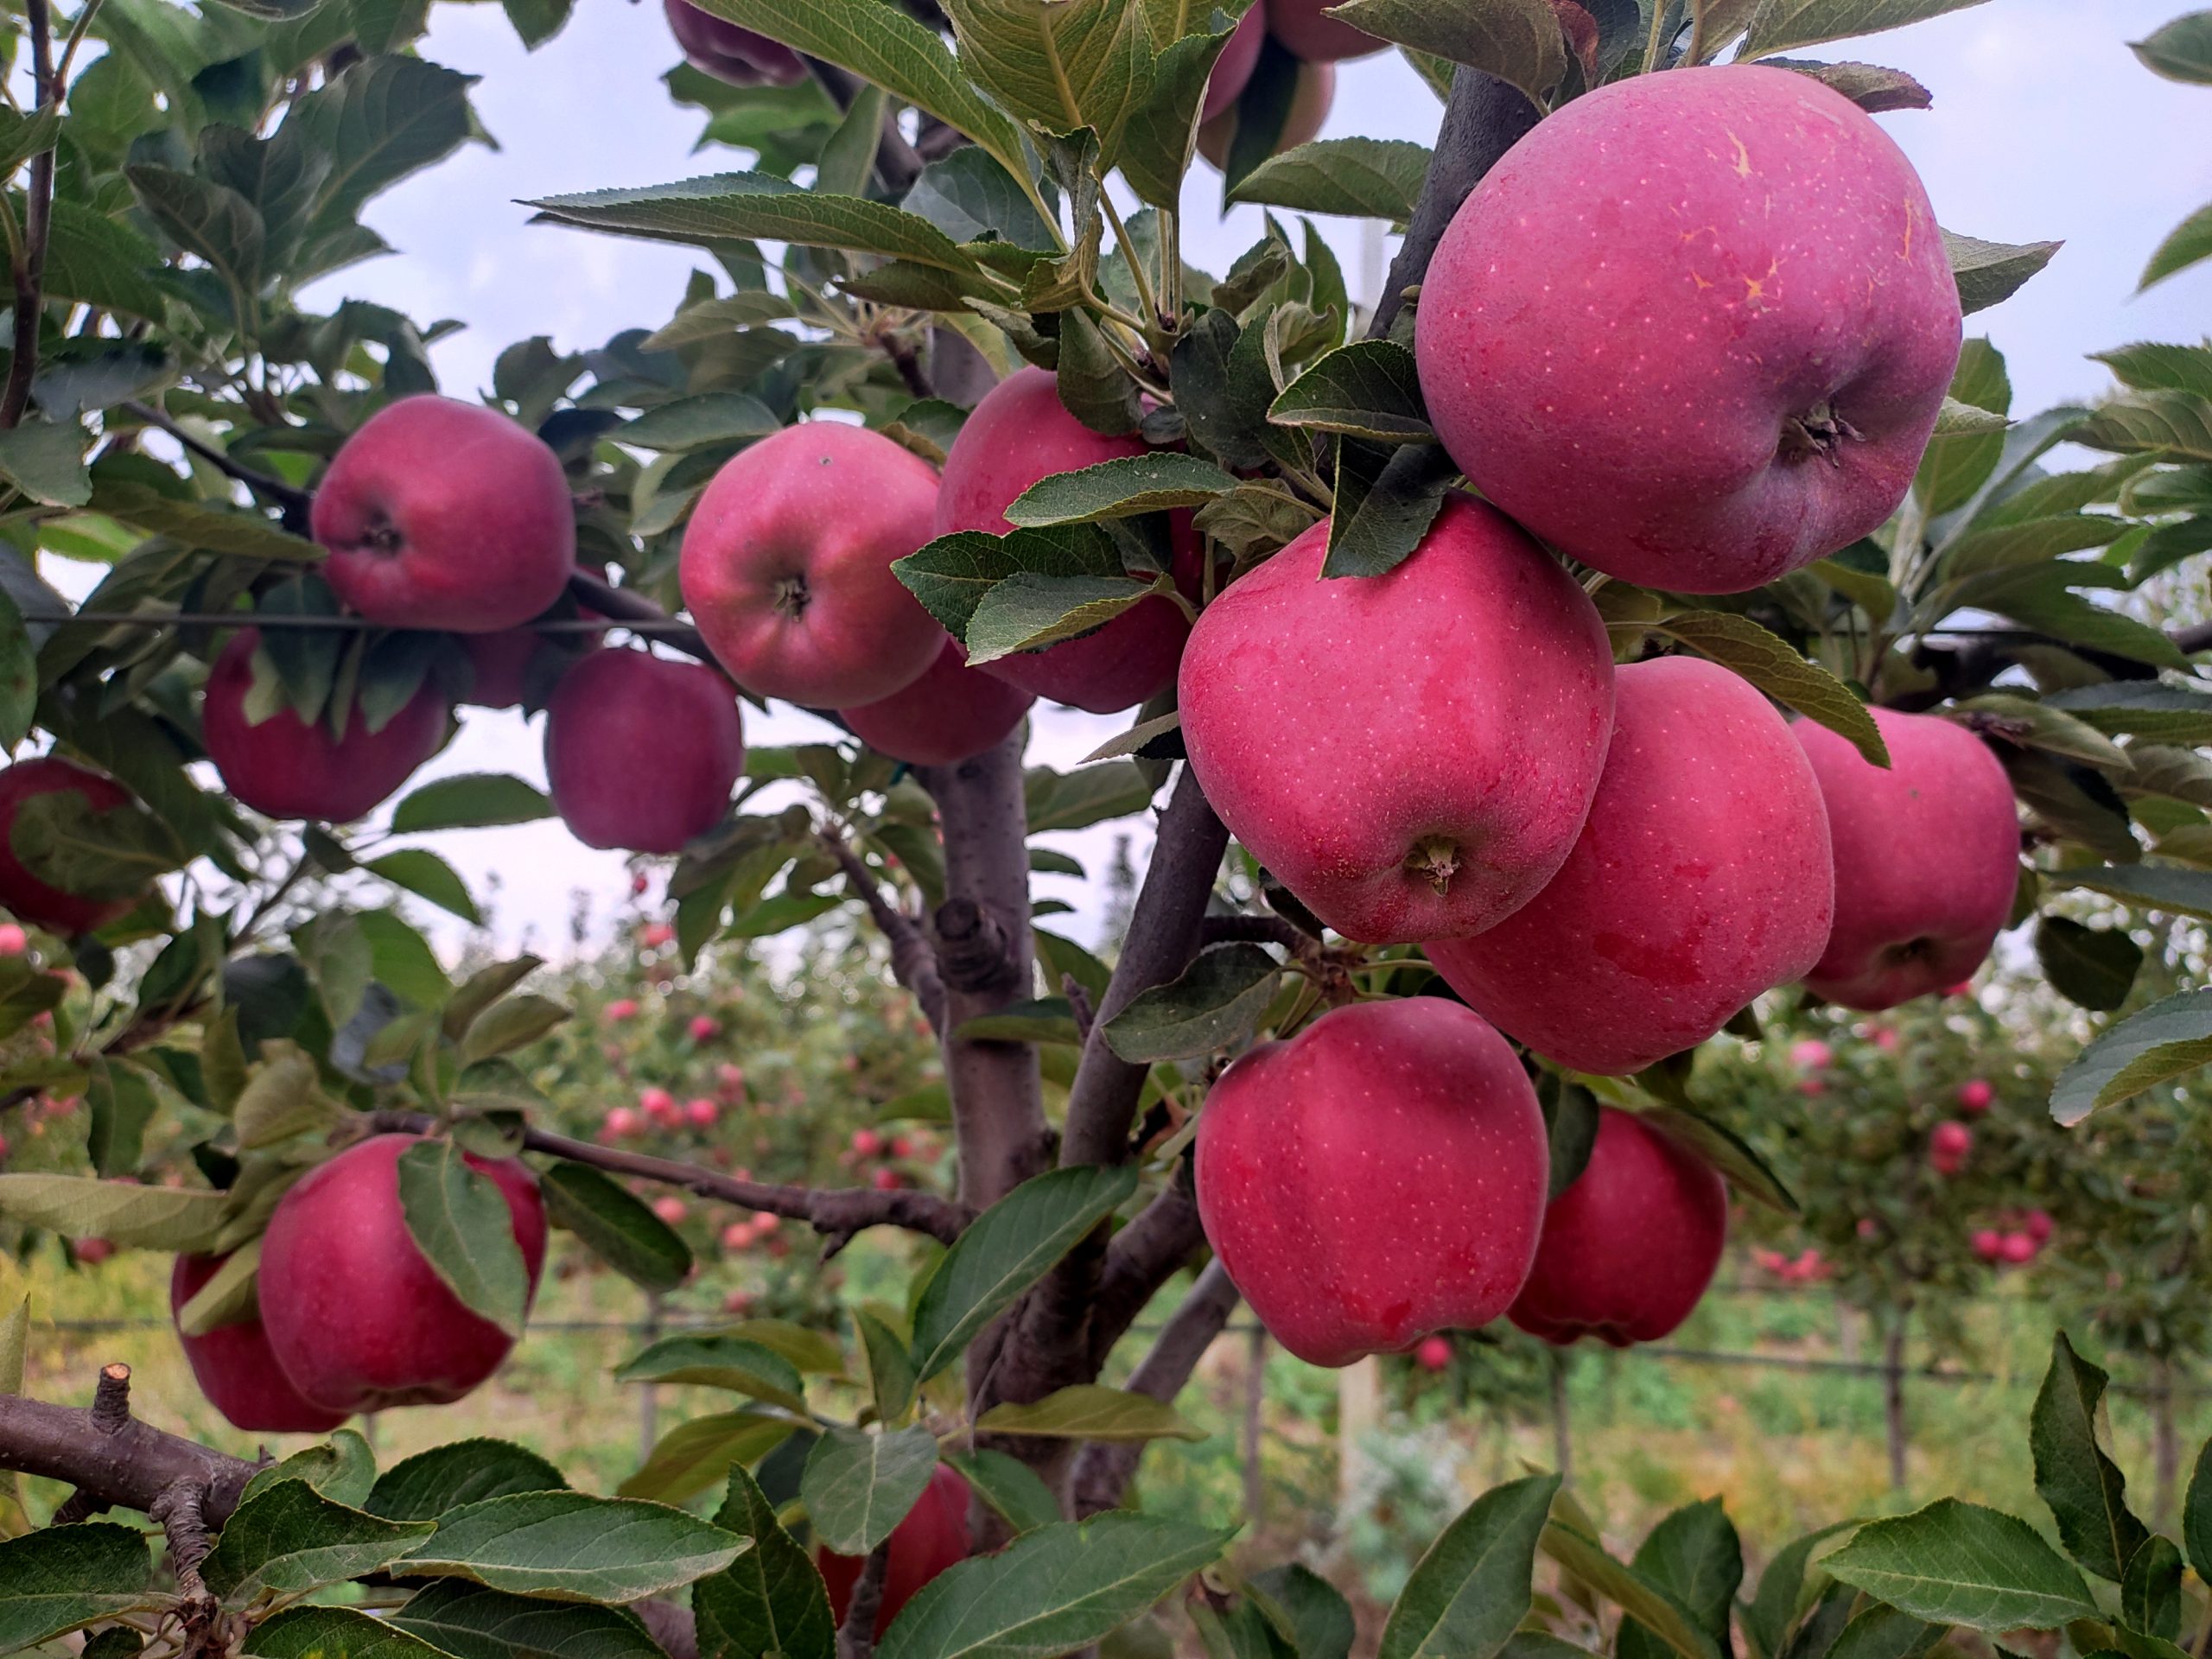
(1819, 432)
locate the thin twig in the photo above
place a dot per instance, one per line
(1102, 1469)
(129, 1463)
(914, 963)
(640, 615)
(294, 501)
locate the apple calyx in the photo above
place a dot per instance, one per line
(1819, 432)
(383, 538)
(1435, 859)
(791, 595)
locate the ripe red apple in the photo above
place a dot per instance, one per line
(1975, 1096)
(886, 1180)
(951, 712)
(2037, 1225)
(91, 1252)
(285, 768)
(730, 54)
(1701, 879)
(1811, 1055)
(1948, 1146)
(671, 1209)
(1302, 28)
(700, 1113)
(441, 514)
(13, 940)
(22, 891)
(1233, 68)
(1766, 257)
(1987, 1243)
(866, 1143)
(738, 1302)
(621, 1008)
(2018, 1249)
(1429, 802)
(900, 1147)
(1309, 108)
(357, 1317)
(787, 565)
(933, 1536)
(619, 776)
(1021, 433)
(1433, 1353)
(1629, 1248)
(1377, 1177)
(1927, 858)
(1812, 1088)
(622, 1123)
(729, 1079)
(1885, 1037)
(736, 1236)
(704, 1028)
(235, 1368)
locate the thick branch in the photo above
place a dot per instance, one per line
(836, 1213)
(856, 1636)
(128, 1466)
(1143, 1257)
(1255, 929)
(28, 267)
(632, 608)
(1103, 1470)
(1162, 937)
(1483, 117)
(913, 964)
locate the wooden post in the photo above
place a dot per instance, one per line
(1562, 1421)
(2165, 1443)
(1255, 1387)
(1359, 1387)
(649, 1394)
(1893, 1397)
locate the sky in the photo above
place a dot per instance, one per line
(2045, 128)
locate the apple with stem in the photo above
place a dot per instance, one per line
(617, 778)
(235, 1367)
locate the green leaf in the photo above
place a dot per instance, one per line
(890, 1368)
(2159, 887)
(471, 801)
(770, 1600)
(220, 530)
(1387, 498)
(428, 876)
(972, 198)
(1051, 1590)
(697, 1455)
(460, 1220)
(122, 1104)
(471, 1621)
(98, 261)
(206, 219)
(1089, 1411)
(290, 1538)
(2150, 1592)
(1880, 1632)
(2190, 242)
(387, 116)
(1216, 1001)
(1306, 1610)
(334, 1633)
(1005, 1250)
(1365, 389)
(1373, 178)
(1028, 611)
(859, 1483)
(1694, 1555)
(1768, 1617)
(2093, 967)
(2150, 710)
(1117, 489)
(1742, 647)
(2087, 1493)
(1156, 144)
(512, 1022)
(1058, 68)
(45, 460)
(717, 1360)
(1075, 800)
(1470, 1589)
(1650, 1605)
(1989, 272)
(64, 842)
(952, 575)
(2166, 1040)
(453, 1475)
(2005, 546)
(714, 417)
(2197, 1515)
(1955, 1563)
(125, 1213)
(2182, 50)
(615, 1225)
(1047, 1020)
(726, 206)
(569, 1547)
(2038, 724)
(1009, 1486)
(23, 136)
(283, 1098)
(1784, 25)
(1518, 41)
(61, 1578)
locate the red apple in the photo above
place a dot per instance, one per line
(1306, 33)
(282, 767)
(700, 1113)
(2037, 1225)
(933, 1536)
(786, 566)
(653, 935)
(1233, 68)
(730, 54)
(1433, 1353)
(901, 1147)
(618, 774)
(1764, 256)
(729, 1079)
(1629, 1248)
(1885, 1039)
(235, 1368)
(356, 1315)
(22, 891)
(738, 1302)
(704, 1028)
(952, 712)
(1017, 434)
(441, 514)
(1987, 1243)
(1927, 858)
(1975, 1096)
(2018, 1249)
(1811, 1055)
(736, 1236)
(1377, 1177)
(623, 1123)
(1868, 1228)
(622, 1008)
(1812, 1088)
(1309, 107)
(91, 1252)
(659, 1105)
(1430, 801)
(886, 1180)
(1701, 879)
(13, 940)
(671, 1209)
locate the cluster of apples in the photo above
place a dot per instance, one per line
(1808, 1267)
(1693, 331)
(2015, 1241)
(352, 1316)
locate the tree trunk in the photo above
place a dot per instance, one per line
(1893, 1397)
(1255, 1388)
(1357, 1384)
(1563, 1420)
(648, 1395)
(2165, 1446)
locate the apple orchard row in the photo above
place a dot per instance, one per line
(1605, 864)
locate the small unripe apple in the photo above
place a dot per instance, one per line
(618, 776)
(2019, 1249)
(356, 1315)
(1426, 804)
(1629, 1248)
(700, 1113)
(716, 47)
(933, 1537)
(704, 1028)
(1811, 1055)
(1303, 28)
(235, 1368)
(671, 1209)
(1433, 1353)
(1975, 1096)
(1309, 109)
(22, 891)
(623, 1007)
(866, 1143)
(442, 514)
(787, 565)
(1374, 1178)
(1765, 255)
(952, 712)
(283, 767)
(1987, 1243)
